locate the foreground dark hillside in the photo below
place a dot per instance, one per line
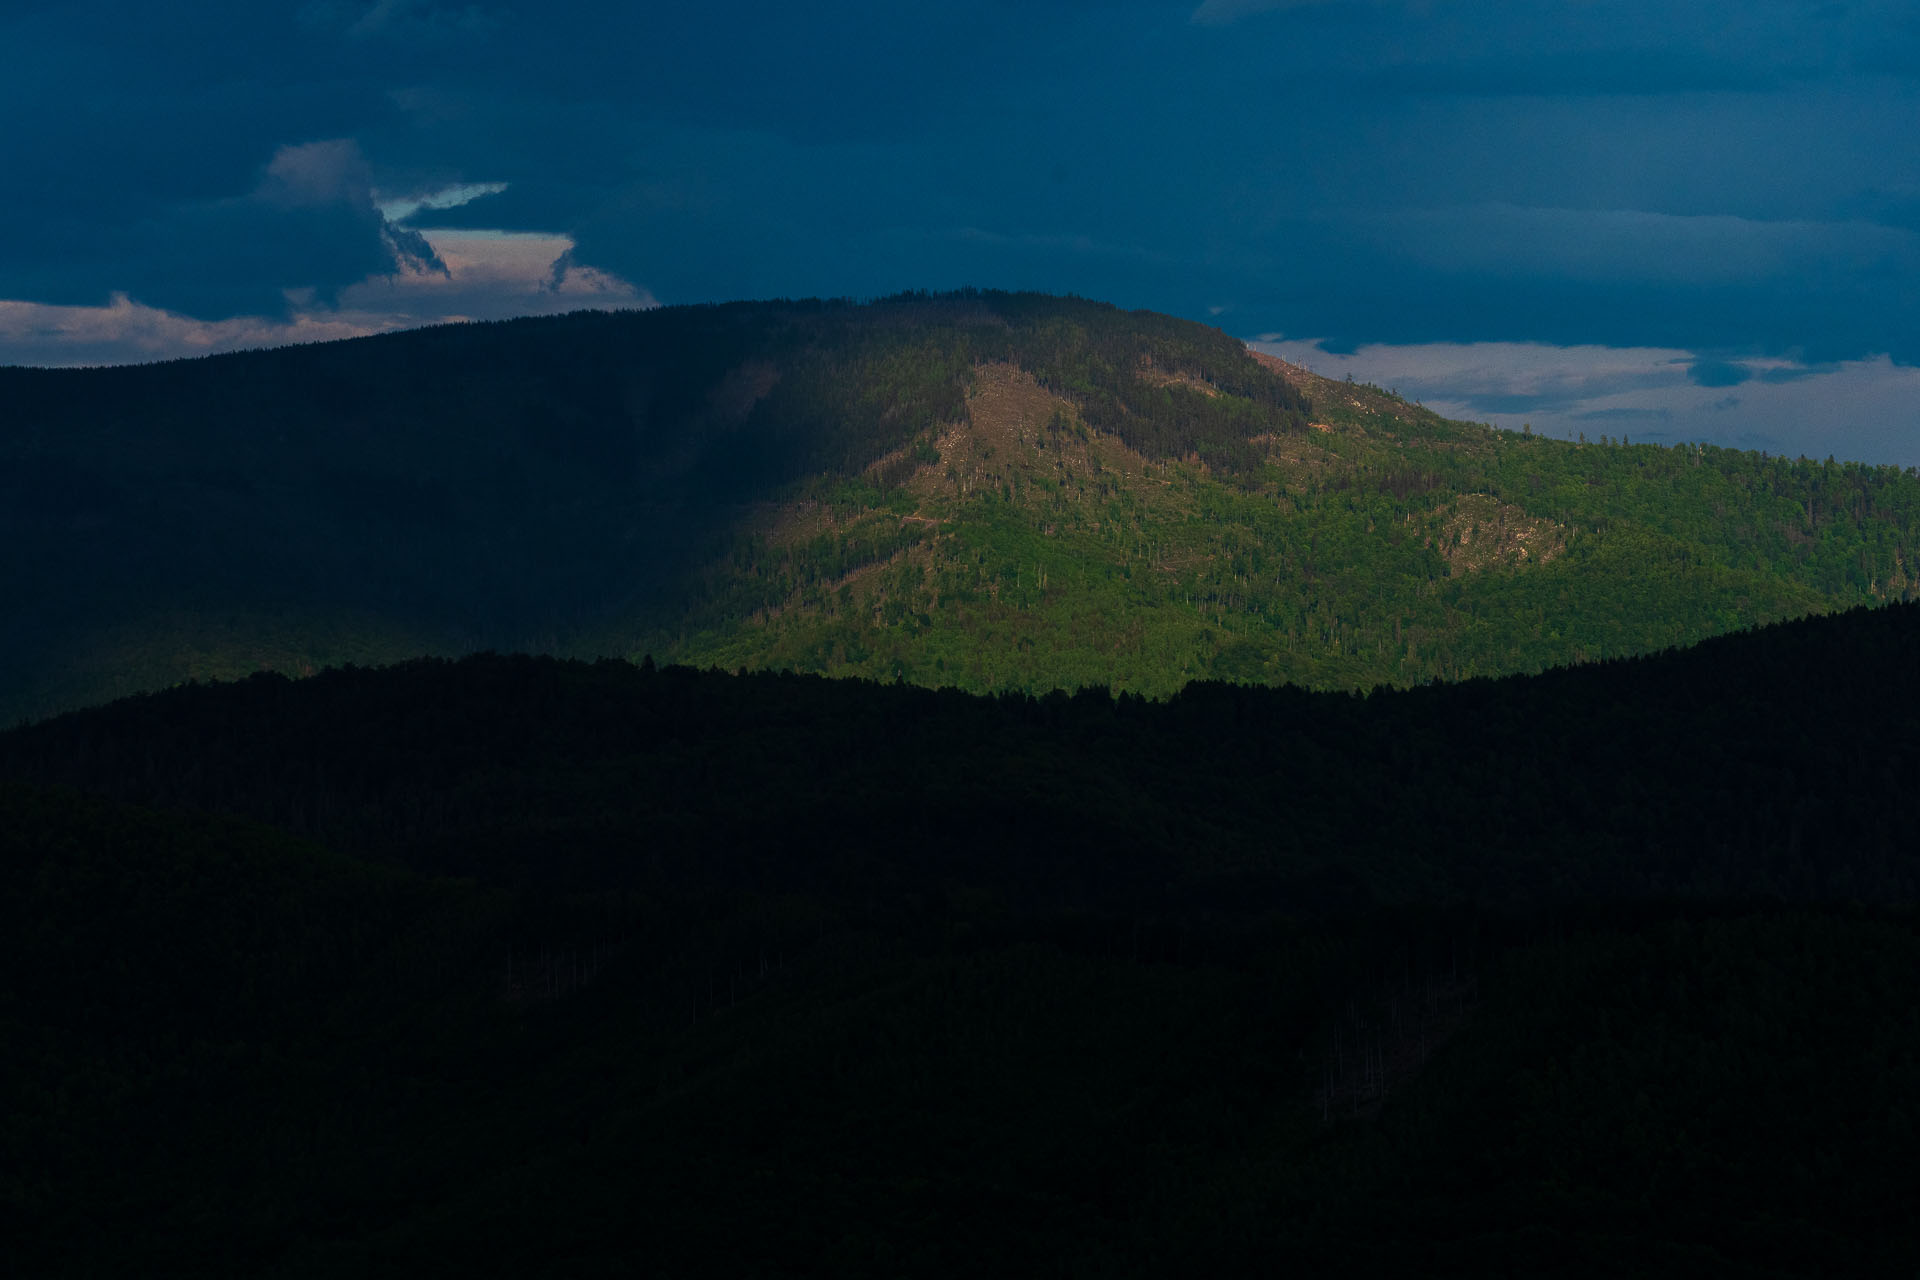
(1772, 763)
(994, 492)
(569, 969)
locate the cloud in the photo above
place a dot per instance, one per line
(124, 331)
(1681, 174)
(308, 221)
(1717, 373)
(1860, 410)
(1809, 290)
(402, 208)
(1794, 372)
(1617, 416)
(1636, 244)
(318, 173)
(1493, 377)
(480, 276)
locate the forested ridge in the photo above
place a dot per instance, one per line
(574, 967)
(1251, 820)
(989, 491)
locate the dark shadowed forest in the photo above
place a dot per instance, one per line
(568, 968)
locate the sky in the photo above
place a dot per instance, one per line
(1662, 220)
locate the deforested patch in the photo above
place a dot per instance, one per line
(1478, 531)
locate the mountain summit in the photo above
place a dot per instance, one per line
(977, 489)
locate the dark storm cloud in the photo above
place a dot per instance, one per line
(1718, 373)
(168, 165)
(308, 222)
(1693, 174)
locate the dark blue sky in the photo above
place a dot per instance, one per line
(1405, 187)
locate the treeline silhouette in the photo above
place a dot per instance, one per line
(560, 967)
(1733, 768)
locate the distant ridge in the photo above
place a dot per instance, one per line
(994, 491)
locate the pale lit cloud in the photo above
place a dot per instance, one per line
(1864, 410)
(499, 256)
(316, 173)
(124, 332)
(478, 275)
(504, 273)
(400, 208)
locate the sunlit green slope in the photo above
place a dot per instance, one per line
(1380, 544)
(985, 490)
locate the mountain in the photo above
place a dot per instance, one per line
(573, 968)
(1593, 958)
(989, 491)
